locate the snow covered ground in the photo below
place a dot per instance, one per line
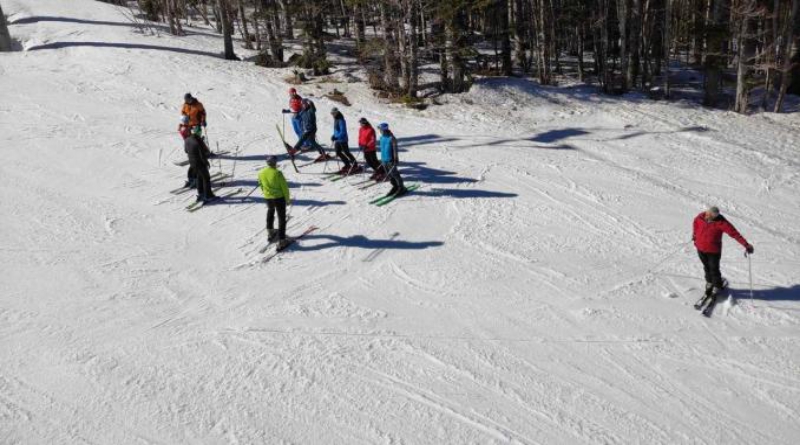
(537, 290)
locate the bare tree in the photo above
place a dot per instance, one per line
(5, 37)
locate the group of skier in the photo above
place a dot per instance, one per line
(304, 123)
(707, 229)
(271, 180)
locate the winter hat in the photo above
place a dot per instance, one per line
(292, 90)
(184, 120)
(272, 161)
(363, 121)
(383, 126)
(714, 210)
(334, 110)
(187, 97)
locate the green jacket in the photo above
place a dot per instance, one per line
(273, 184)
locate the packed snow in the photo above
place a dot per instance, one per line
(537, 289)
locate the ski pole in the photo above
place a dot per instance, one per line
(750, 273)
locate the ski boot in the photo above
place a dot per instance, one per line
(392, 191)
(190, 183)
(282, 244)
(272, 235)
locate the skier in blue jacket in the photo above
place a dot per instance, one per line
(308, 118)
(390, 160)
(341, 144)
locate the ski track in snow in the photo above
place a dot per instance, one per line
(519, 296)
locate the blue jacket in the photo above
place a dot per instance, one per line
(388, 144)
(308, 118)
(339, 129)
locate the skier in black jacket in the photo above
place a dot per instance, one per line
(198, 162)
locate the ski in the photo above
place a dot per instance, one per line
(702, 301)
(710, 306)
(706, 304)
(288, 148)
(185, 162)
(387, 199)
(291, 240)
(197, 205)
(372, 184)
(184, 189)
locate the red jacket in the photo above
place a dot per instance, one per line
(295, 103)
(707, 235)
(366, 138)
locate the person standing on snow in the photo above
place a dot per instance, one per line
(185, 131)
(366, 142)
(341, 143)
(390, 160)
(194, 110)
(276, 192)
(198, 164)
(707, 231)
(295, 107)
(309, 120)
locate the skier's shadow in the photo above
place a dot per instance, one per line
(775, 294)
(362, 242)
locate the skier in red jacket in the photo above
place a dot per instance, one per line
(708, 228)
(366, 142)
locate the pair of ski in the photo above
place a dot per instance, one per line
(386, 199)
(275, 252)
(708, 301)
(197, 205)
(185, 162)
(215, 177)
(290, 151)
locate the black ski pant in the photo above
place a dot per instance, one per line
(277, 205)
(199, 166)
(394, 176)
(711, 267)
(371, 158)
(343, 151)
(309, 138)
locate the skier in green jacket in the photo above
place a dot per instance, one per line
(276, 192)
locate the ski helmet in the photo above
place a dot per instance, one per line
(185, 120)
(187, 97)
(363, 121)
(383, 126)
(272, 161)
(292, 90)
(334, 110)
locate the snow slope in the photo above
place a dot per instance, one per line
(536, 290)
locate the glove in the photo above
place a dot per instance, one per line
(749, 249)
(205, 124)
(333, 138)
(285, 111)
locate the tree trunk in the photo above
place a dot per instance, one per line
(413, 53)
(746, 50)
(287, 25)
(505, 36)
(716, 33)
(227, 32)
(390, 48)
(667, 45)
(5, 37)
(454, 46)
(787, 47)
(360, 28)
(245, 31)
(623, 9)
(517, 8)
